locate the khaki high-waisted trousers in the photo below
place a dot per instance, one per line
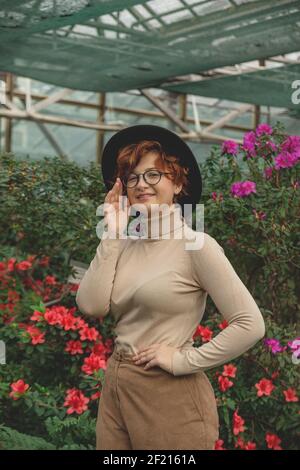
(153, 409)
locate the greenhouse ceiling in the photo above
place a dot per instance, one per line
(271, 87)
(118, 45)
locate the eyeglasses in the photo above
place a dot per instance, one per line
(150, 176)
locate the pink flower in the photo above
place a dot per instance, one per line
(19, 388)
(231, 147)
(243, 188)
(264, 128)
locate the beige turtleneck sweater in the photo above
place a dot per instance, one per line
(156, 290)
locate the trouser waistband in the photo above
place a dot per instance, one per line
(121, 355)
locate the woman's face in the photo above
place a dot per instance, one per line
(160, 193)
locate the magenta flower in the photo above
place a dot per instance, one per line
(249, 142)
(263, 128)
(274, 345)
(243, 188)
(231, 147)
(267, 147)
(268, 172)
(215, 196)
(260, 215)
(291, 144)
(286, 159)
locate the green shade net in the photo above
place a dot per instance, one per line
(272, 87)
(118, 45)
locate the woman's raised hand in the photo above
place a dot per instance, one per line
(116, 213)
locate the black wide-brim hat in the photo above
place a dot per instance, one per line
(171, 144)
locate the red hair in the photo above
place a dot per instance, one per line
(129, 157)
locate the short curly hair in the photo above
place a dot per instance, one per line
(130, 155)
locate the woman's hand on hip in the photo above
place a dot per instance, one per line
(156, 355)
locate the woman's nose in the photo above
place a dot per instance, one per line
(141, 182)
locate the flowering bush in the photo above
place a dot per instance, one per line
(252, 199)
(257, 393)
(56, 362)
(56, 359)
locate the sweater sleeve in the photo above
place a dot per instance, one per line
(215, 274)
(94, 292)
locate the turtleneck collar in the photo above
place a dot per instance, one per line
(161, 224)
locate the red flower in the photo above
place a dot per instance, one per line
(290, 395)
(37, 337)
(90, 334)
(264, 387)
(93, 363)
(95, 395)
(53, 317)
(218, 444)
(37, 316)
(245, 445)
(273, 441)
(238, 423)
(19, 388)
(99, 349)
(224, 383)
(11, 264)
(68, 322)
(239, 443)
(223, 325)
(275, 375)
(204, 332)
(23, 265)
(13, 296)
(50, 280)
(74, 347)
(44, 261)
(76, 401)
(73, 287)
(229, 370)
(250, 446)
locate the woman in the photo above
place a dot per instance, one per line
(156, 394)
